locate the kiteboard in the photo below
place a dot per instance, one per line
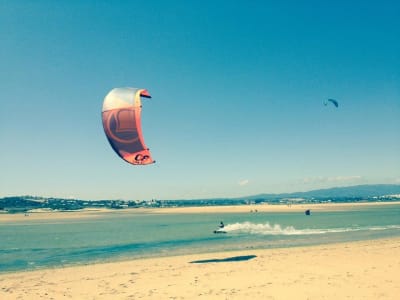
(219, 231)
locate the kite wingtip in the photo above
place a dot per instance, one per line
(145, 93)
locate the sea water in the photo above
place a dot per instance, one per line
(35, 244)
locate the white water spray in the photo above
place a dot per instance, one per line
(276, 229)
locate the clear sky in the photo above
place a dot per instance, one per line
(238, 93)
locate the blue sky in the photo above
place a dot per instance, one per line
(238, 91)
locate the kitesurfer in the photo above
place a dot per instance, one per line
(220, 229)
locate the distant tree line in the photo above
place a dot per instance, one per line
(26, 203)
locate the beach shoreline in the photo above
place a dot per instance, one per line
(251, 208)
(356, 270)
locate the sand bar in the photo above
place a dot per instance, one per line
(356, 270)
(95, 213)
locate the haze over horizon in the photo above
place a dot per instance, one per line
(237, 104)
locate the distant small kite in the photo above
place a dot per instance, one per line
(333, 101)
(122, 124)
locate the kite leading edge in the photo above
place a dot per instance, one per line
(122, 124)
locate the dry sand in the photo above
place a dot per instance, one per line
(357, 270)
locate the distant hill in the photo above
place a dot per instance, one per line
(362, 191)
(376, 192)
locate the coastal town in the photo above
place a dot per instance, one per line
(367, 193)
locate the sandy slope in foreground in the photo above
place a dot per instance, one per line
(357, 270)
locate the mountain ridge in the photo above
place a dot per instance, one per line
(366, 190)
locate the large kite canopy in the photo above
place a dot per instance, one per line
(122, 124)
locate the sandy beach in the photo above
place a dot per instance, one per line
(356, 270)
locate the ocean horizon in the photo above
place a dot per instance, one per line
(30, 244)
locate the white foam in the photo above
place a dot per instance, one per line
(276, 229)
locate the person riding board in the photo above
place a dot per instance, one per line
(220, 229)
